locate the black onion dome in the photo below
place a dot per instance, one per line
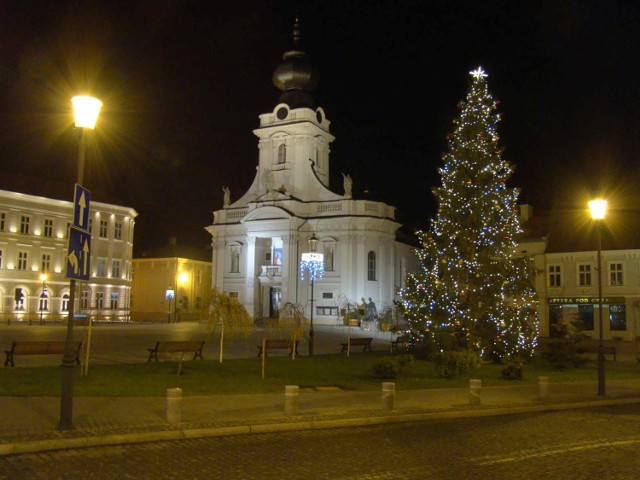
(295, 76)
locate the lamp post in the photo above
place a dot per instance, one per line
(169, 294)
(314, 263)
(598, 210)
(43, 295)
(85, 111)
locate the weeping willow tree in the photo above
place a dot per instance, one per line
(292, 323)
(227, 316)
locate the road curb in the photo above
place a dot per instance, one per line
(33, 446)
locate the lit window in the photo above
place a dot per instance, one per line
(114, 301)
(99, 300)
(101, 271)
(84, 299)
(115, 269)
(3, 218)
(23, 257)
(117, 231)
(618, 317)
(65, 302)
(103, 229)
(45, 267)
(48, 227)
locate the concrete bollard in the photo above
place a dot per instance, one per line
(174, 405)
(474, 391)
(388, 394)
(291, 399)
(543, 388)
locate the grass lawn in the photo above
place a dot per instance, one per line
(244, 376)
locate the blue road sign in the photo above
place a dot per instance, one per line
(78, 254)
(81, 199)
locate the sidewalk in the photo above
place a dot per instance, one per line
(28, 424)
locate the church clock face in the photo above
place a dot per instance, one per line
(282, 113)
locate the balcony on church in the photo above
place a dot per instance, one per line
(270, 271)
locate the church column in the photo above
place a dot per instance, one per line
(290, 267)
(361, 251)
(250, 279)
(218, 258)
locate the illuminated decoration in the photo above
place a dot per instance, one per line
(471, 290)
(313, 263)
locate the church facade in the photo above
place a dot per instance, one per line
(258, 240)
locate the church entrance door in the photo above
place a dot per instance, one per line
(274, 303)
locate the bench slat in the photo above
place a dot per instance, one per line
(176, 346)
(39, 348)
(364, 342)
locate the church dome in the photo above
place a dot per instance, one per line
(295, 76)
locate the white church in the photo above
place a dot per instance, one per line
(258, 240)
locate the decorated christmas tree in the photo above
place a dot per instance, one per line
(471, 289)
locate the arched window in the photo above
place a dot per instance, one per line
(65, 302)
(371, 266)
(282, 153)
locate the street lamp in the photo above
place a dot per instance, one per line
(598, 210)
(169, 294)
(85, 112)
(43, 295)
(314, 263)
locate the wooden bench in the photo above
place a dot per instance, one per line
(592, 347)
(364, 342)
(402, 342)
(39, 348)
(177, 346)
(278, 345)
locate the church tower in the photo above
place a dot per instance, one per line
(257, 240)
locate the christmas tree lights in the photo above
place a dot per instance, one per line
(470, 284)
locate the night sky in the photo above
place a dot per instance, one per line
(183, 83)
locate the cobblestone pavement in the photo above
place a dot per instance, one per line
(589, 443)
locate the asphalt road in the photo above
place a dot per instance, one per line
(598, 443)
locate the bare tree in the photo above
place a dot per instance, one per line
(291, 322)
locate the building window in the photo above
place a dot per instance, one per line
(48, 227)
(3, 219)
(102, 267)
(44, 302)
(615, 274)
(584, 275)
(0, 258)
(327, 310)
(115, 269)
(103, 229)
(371, 266)
(45, 267)
(585, 315)
(554, 276)
(25, 222)
(19, 298)
(327, 295)
(114, 301)
(282, 153)
(117, 231)
(84, 300)
(100, 300)
(618, 317)
(23, 257)
(65, 303)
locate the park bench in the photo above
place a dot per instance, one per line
(587, 346)
(177, 346)
(278, 345)
(402, 342)
(39, 348)
(364, 342)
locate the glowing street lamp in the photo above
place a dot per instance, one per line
(314, 263)
(85, 111)
(598, 210)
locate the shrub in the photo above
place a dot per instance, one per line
(386, 367)
(564, 353)
(512, 370)
(459, 362)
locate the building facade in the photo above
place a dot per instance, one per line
(171, 289)
(566, 265)
(33, 255)
(258, 240)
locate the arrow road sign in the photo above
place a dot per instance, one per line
(78, 254)
(81, 198)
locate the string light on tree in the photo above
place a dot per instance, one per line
(470, 283)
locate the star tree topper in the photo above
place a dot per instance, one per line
(478, 73)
